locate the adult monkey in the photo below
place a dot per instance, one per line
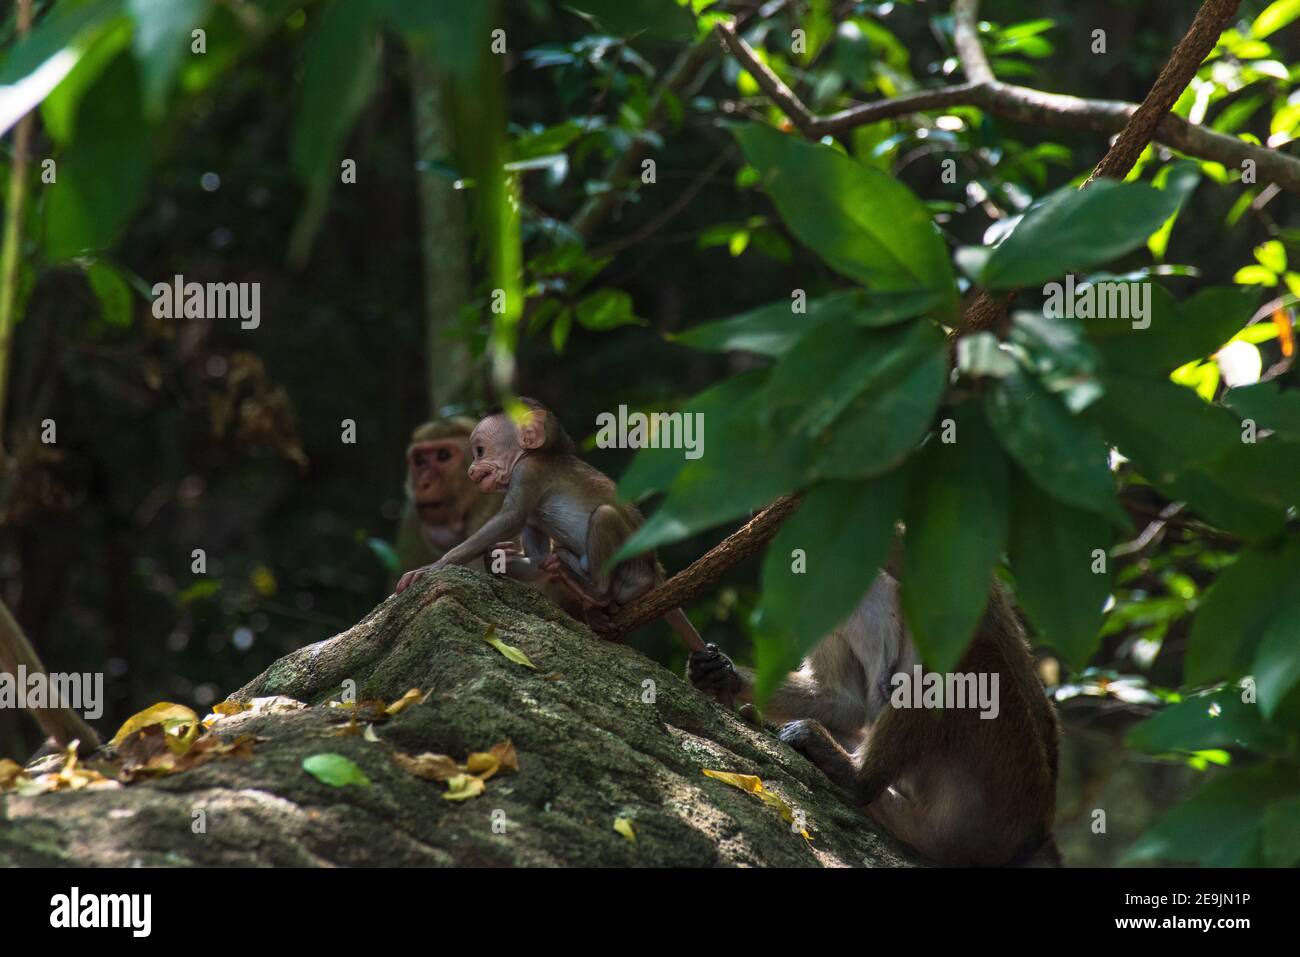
(62, 725)
(442, 506)
(961, 789)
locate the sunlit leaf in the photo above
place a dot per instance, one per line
(862, 222)
(334, 770)
(1073, 230)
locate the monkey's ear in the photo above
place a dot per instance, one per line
(532, 429)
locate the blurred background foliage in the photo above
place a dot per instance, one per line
(514, 162)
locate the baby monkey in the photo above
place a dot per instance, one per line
(567, 514)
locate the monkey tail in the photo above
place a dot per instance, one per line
(685, 630)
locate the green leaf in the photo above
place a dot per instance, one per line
(103, 174)
(1062, 453)
(1237, 609)
(1219, 825)
(334, 770)
(1073, 229)
(1274, 17)
(746, 463)
(1277, 662)
(956, 518)
(101, 46)
(1216, 720)
(862, 222)
(1281, 839)
(654, 469)
(39, 63)
(113, 293)
(509, 652)
(769, 330)
(661, 19)
(386, 554)
(1179, 180)
(843, 530)
(773, 329)
(1181, 444)
(1051, 550)
(1268, 407)
(338, 77)
(162, 38)
(606, 309)
(890, 415)
(1176, 334)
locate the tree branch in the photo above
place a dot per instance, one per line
(1207, 26)
(966, 38)
(700, 574)
(1034, 107)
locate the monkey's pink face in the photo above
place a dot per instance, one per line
(494, 444)
(433, 478)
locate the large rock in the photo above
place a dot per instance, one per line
(602, 733)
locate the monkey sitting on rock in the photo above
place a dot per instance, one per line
(959, 788)
(567, 513)
(442, 506)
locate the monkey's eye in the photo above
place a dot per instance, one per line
(479, 451)
(444, 455)
(417, 459)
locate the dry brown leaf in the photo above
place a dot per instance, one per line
(9, 772)
(431, 767)
(226, 708)
(506, 755)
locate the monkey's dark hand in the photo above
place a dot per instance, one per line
(713, 672)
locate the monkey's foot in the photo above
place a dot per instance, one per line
(600, 620)
(815, 743)
(581, 590)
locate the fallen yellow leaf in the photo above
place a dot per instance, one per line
(624, 826)
(509, 651)
(482, 765)
(402, 703)
(177, 721)
(754, 785)
(464, 786)
(746, 782)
